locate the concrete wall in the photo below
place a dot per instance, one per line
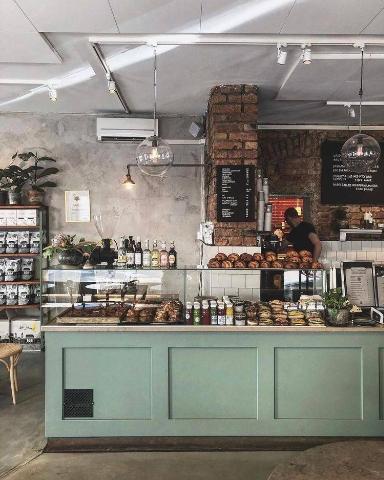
(166, 208)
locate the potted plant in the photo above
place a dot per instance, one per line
(37, 175)
(14, 180)
(69, 252)
(338, 307)
(4, 186)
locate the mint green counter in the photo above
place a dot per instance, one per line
(229, 381)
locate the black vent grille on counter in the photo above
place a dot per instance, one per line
(78, 402)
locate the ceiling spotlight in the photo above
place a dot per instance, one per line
(52, 92)
(306, 55)
(350, 111)
(281, 55)
(111, 86)
(127, 181)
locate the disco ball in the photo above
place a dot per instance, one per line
(154, 156)
(360, 153)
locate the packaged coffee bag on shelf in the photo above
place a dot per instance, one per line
(12, 269)
(35, 294)
(3, 294)
(35, 242)
(23, 292)
(27, 268)
(3, 238)
(2, 269)
(23, 242)
(11, 242)
(11, 294)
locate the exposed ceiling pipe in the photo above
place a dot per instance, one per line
(318, 127)
(235, 39)
(366, 103)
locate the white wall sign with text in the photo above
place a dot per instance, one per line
(77, 206)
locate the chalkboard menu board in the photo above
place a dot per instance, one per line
(338, 186)
(235, 193)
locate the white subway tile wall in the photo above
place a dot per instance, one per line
(238, 281)
(247, 284)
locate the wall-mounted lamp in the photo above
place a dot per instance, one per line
(127, 181)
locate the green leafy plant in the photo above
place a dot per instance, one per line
(13, 178)
(62, 242)
(36, 174)
(335, 300)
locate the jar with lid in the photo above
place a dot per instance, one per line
(205, 314)
(229, 314)
(213, 308)
(188, 313)
(196, 313)
(220, 314)
(240, 319)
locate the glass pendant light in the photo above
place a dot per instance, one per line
(361, 152)
(154, 155)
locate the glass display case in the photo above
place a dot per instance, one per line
(78, 288)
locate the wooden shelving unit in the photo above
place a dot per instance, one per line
(22, 282)
(17, 255)
(19, 307)
(22, 207)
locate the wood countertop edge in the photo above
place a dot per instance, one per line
(206, 329)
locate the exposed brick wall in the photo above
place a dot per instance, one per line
(293, 164)
(232, 140)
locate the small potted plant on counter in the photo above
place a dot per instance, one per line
(37, 175)
(338, 308)
(68, 251)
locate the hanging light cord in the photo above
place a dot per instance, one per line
(361, 87)
(154, 89)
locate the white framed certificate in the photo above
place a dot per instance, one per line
(77, 206)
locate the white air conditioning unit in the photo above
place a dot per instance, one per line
(125, 129)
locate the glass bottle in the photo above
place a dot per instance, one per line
(164, 256)
(146, 255)
(155, 255)
(172, 256)
(121, 254)
(130, 253)
(138, 254)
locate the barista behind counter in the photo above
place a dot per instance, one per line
(303, 235)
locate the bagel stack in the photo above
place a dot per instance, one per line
(279, 315)
(296, 318)
(265, 315)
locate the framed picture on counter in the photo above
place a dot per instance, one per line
(77, 206)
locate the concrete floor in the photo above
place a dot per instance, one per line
(152, 465)
(22, 425)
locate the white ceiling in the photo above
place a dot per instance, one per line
(47, 41)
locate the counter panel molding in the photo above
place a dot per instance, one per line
(318, 383)
(213, 383)
(217, 382)
(121, 380)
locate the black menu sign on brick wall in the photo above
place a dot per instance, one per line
(338, 186)
(235, 193)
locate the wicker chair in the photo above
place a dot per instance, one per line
(12, 352)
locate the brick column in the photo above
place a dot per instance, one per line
(232, 140)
